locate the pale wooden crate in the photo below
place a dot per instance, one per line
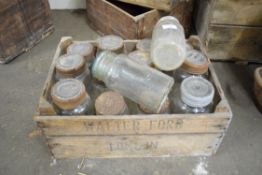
(131, 135)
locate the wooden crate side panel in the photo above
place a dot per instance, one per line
(237, 12)
(133, 146)
(109, 19)
(234, 42)
(155, 4)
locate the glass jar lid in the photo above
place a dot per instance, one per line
(70, 64)
(110, 42)
(140, 57)
(196, 62)
(83, 49)
(197, 92)
(68, 93)
(144, 45)
(110, 103)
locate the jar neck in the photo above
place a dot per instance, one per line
(103, 64)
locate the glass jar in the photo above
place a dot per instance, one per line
(164, 110)
(195, 96)
(140, 57)
(143, 85)
(196, 64)
(110, 103)
(84, 49)
(111, 43)
(71, 66)
(70, 97)
(144, 45)
(168, 47)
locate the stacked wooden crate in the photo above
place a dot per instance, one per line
(231, 29)
(132, 19)
(23, 24)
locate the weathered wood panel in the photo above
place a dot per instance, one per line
(234, 42)
(23, 24)
(165, 5)
(110, 18)
(237, 12)
(134, 146)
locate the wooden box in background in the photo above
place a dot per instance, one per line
(131, 135)
(231, 29)
(123, 19)
(23, 24)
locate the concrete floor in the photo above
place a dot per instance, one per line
(21, 84)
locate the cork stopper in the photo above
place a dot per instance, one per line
(111, 43)
(70, 65)
(110, 103)
(164, 108)
(195, 63)
(84, 49)
(144, 45)
(68, 94)
(140, 57)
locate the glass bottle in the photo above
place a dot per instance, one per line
(110, 103)
(168, 46)
(143, 85)
(70, 97)
(140, 57)
(71, 66)
(195, 64)
(111, 43)
(144, 45)
(84, 49)
(195, 96)
(164, 110)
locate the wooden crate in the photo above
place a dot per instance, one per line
(23, 24)
(126, 20)
(231, 30)
(131, 135)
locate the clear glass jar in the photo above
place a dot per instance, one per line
(168, 46)
(110, 103)
(195, 96)
(140, 57)
(164, 110)
(196, 64)
(84, 49)
(144, 45)
(142, 84)
(70, 97)
(111, 43)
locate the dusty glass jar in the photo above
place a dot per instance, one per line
(165, 109)
(142, 84)
(144, 45)
(84, 49)
(196, 64)
(71, 66)
(195, 96)
(140, 57)
(168, 46)
(110, 103)
(70, 97)
(111, 43)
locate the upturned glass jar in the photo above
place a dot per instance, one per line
(111, 43)
(84, 49)
(195, 96)
(168, 46)
(141, 57)
(70, 97)
(110, 103)
(196, 64)
(142, 84)
(71, 66)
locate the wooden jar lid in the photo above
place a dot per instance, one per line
(110, 103)
(140, 57)
(163, 109)
(144, 45)
(110, 42)
(68, 93)
(258, 77)
(84, 49)
(70, 65)
(195, 62)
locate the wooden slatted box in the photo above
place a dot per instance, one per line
(131, 135)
